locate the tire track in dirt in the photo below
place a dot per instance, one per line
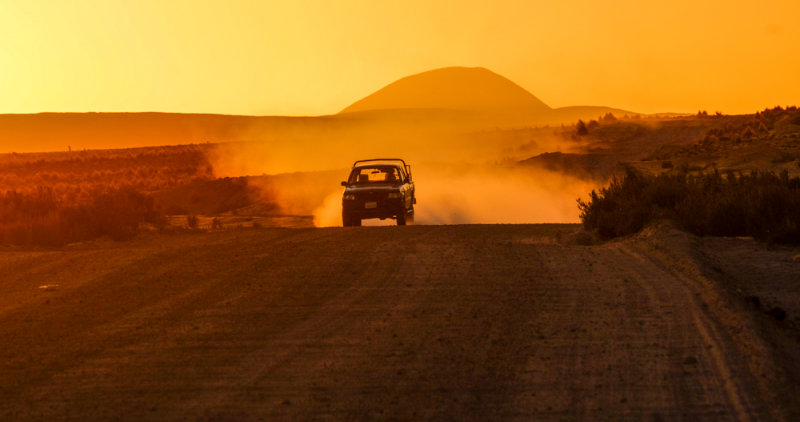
(623, 354)
(411, 323)
(710, 348)
(747, 363)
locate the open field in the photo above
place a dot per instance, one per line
(495, 322)
(270, 181)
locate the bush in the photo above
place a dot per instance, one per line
(763, 205)
(192, 221)
(38, 218)
(581, 129)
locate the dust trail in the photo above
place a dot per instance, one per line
(481, 195)
(498, 195)
(462, 176)
(329, 213)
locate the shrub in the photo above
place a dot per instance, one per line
(118, 212)
(763, 205)
(38, 218)
(581, 129)
(609, 117)
(192, 221)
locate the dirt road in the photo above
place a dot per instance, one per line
(399, 323)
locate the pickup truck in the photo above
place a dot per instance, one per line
(378, 188)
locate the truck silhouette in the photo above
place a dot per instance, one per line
(378, 188)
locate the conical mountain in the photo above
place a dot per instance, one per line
(452, 88)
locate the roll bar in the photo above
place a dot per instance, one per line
(380, 159)
(405, 166)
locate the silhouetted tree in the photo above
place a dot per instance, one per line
(581, 129)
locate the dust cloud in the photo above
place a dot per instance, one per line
(482, 195)
(497, 195)
(463, 174)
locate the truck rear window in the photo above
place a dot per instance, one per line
(375, 175)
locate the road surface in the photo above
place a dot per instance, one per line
(504, 322)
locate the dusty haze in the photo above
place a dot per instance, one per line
(461, 176)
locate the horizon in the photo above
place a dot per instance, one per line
(274, 59)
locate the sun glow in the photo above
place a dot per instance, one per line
(317, 57)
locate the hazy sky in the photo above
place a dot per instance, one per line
(317, 57)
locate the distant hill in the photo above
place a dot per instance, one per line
(458, 88)
(452, 100)
(468, 97)
(43, 132)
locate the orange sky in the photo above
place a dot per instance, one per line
(317, 57)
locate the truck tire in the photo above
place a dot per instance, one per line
(406, 218)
